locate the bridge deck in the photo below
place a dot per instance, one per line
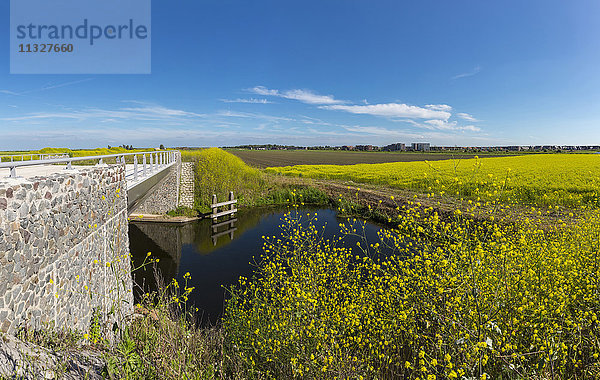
(46, 170)
(147, 170)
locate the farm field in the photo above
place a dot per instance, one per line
(266, 158)
(543, 180)
(493, 297)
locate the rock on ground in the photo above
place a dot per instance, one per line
(24, 360)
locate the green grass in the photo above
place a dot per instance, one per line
(219, 172)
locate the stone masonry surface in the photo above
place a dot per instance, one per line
(186, 196)
(64, 249)
(162, 198)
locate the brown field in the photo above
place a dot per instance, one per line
(267, 158)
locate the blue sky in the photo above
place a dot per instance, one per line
(329, 72)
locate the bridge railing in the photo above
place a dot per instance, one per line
(151, 161)
(31, 156)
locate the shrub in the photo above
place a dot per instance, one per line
(457, 299)
(219, 172)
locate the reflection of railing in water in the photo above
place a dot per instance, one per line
(216, 214)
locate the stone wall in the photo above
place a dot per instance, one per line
(163, 197)
(186, 196)
(64, 249)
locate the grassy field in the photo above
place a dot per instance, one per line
(495, 297)
(267, 158)
(543, 180)
(219, 172)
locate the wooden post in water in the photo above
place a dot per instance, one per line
(228, 222)
(232, 215)
(215, 209)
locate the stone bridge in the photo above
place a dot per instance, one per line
(64, 246)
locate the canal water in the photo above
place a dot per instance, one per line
(217, 257)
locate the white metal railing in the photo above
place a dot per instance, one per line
(152, 161)
(30, 156)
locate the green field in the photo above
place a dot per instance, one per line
(541, 179)
(267, 158)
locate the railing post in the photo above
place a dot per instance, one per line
(144, 159)
(135, 168)
(214, 209)
(231, 216)
(13, 172)
(69, 167)
(101, 162)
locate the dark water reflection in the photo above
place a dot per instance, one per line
(191, 248)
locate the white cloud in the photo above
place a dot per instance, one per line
(439, 107)
(310, 97)
(475, 70)
(449, 126)
(48, 86)
(161, 111)
(304, 96)
(471, 128)
(251, 100)
(51, 86)
(252, 115)
(8, 92)
(392, 110)
(437, 115)
(147, 113)
(261, 90)
(466, 116)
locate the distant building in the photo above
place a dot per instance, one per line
(421, 147)
(394, 147)
(367, 148)
(347, 147)
(513, 148)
